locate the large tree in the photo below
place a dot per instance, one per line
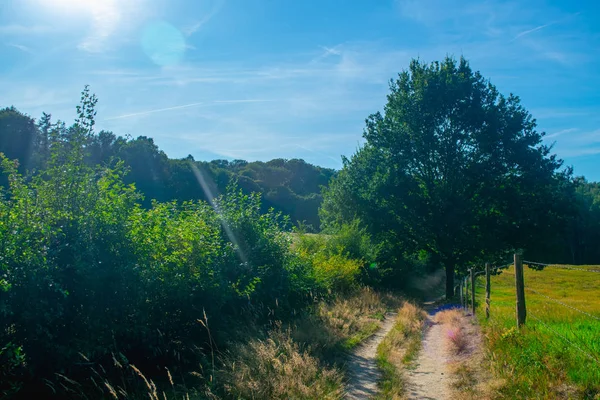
(451, 167)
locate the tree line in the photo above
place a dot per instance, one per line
(290, 186)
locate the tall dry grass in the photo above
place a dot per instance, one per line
(118, 379)
(353, 318)
(277, 368)
(299, 360)
(303, 360)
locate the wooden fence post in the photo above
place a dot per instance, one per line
(473, 290)
(520, 284)
(487, 290)
(460, 291)
(466, 293)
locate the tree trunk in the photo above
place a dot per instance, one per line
(449, 281)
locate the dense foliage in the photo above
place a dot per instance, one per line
(87, 273)
(455, 169)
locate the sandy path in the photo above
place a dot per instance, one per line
(430, 379)
(362, 365)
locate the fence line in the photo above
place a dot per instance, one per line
(562, 267)
(563, 304)
(520, 298)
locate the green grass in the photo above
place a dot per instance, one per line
(557, 353)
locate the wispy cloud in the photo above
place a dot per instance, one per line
(528, 31)
(237, 138)
(326, 52)
(200, 23)
(579, 152)
(559, 133)
(19, 30)
(20, 47)
(331, 51)
(577, 143)
(337, 160)
(199, 104)
(33, 98)
(592, 137)
(559, 113)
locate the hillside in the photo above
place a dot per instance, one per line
(292, 187)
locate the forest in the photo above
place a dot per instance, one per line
(290, 186)
(113, 254)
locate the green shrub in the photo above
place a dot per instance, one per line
(332, 267)
(86, 272)
(335, 272)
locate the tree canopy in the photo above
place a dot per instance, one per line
(452, 167)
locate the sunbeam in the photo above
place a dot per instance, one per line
(211, 199)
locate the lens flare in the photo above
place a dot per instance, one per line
(163, 43)
(211, 200)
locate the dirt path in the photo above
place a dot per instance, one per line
(362, 365)
(430, 379)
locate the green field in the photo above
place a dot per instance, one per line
(557, 353)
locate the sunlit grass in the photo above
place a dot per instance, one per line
(557, 353)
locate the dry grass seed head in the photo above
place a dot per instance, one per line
(453, 316)
(456, 340)
(111, 390)
(276, 368)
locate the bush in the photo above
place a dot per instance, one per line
(336, 272)
(332, 267)
(85, 271)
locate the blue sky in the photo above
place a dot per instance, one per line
(257, 80)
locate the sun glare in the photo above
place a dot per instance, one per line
(73, 7)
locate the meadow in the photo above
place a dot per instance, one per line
(556, 354)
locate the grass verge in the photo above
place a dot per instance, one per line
(399, 349)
